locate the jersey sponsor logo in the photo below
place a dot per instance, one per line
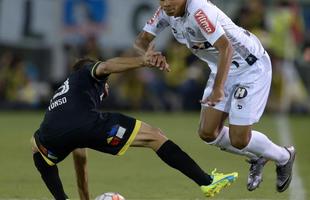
(115, 135)
(153, 19)
(240, 93)
(204, 22)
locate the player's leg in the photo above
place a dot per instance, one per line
(211, 127)
(120, 132)
(49, 172)
(176, 158)
(212, 131)
(244, 138)
(223, 141)
(80, 166)
(170, 153)
(247, 106)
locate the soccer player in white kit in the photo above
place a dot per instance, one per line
(238, 86)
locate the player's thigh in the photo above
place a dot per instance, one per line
(211, 122)
(149, 136)
(212, 118)
(52, 150)
(113, 133)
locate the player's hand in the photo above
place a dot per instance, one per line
(216, 96)
(160, 62)
(155, 59)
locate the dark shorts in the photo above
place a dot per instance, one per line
(111, 133)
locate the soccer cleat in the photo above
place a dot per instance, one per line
(256, 172)
(219, 182)
(284, 172)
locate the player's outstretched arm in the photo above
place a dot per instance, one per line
(151, 58)
(80, 165)
(142, 42)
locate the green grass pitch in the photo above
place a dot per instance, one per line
(140, 174)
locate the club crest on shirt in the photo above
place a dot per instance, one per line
(115, 135)
(204, 22)
(160, 24)
(190, 31)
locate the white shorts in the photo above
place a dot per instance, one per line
(246, 93)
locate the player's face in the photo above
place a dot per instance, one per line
(174, 8)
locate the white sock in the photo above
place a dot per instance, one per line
(224, 143)
(261, 145)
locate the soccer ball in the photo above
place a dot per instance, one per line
(110, 196)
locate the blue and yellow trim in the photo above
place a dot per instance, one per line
(131, 138)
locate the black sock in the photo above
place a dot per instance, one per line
(173, 155)
(50, 177)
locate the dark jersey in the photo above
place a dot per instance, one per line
(72, 120)
(75, 103)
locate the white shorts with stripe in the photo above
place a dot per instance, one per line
(246, 94)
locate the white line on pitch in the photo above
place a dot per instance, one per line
(296, 189)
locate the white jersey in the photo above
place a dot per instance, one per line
(201, 26)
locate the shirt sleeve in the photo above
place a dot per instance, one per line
(206, 19)
(157, 23)
(92, 69)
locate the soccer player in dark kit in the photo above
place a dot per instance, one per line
(73, 122)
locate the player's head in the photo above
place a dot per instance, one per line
(82, 63)
(174, 8)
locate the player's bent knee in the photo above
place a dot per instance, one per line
(207, 136)
(238, 143)
(158, 135)
(150, 137)
(239, 136)
(157, 139)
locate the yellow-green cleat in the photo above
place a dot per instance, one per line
(219, 182)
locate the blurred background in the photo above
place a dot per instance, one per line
(41, 39)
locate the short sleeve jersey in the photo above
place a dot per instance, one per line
(75, 102)
(201, 26)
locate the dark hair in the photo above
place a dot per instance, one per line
(81, 63)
